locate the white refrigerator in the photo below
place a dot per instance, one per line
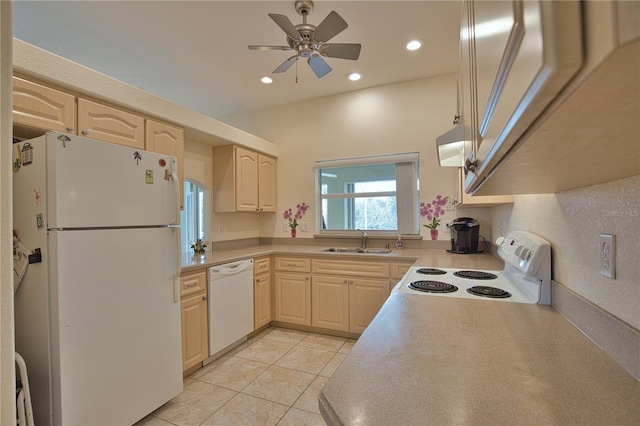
(97, 313)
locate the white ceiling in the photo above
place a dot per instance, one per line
(194, 53)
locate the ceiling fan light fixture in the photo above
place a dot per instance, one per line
(355, 76)
(413, 45)
(266, 79)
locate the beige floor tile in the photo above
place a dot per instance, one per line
(347, 346)
(327, 343)
(332, 365)
(280, 385)
(285, 335)
(305, 359)
(248, 410)
(264, 350)
(295, 417)
(308, 401)
(234, 373)
(196, 403)
(153, 421)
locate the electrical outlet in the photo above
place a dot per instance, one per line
(220, 228)
(451, 204)
(446, 227)
(304, 226)
(608, 255)
(285, 227)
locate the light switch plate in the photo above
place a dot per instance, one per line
(607, 255)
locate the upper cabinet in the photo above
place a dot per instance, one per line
(243, 180)
(539, 117)
(166, 139)
(41, 107)
(109, 124)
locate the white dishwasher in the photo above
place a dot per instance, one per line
(230, 304)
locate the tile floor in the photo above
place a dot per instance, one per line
(272, 379)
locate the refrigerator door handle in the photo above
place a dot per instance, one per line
(176, 191)
(178, 264)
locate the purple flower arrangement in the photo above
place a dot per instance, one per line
(301, 209)
(433, 210)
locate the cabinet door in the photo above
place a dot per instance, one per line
(194, 331)
(366, 297)
(262, 300)
(267, 183)
(109, 124)
(330, 303)
(42, 107)
(466, 200)
(166, 139)
(246, 180)
(293, 298)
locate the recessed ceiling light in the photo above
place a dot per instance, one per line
(413, 45)
(355, 76)
(266, 80)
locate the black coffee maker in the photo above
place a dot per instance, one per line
(465, 232)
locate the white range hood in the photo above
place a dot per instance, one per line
(451, 148)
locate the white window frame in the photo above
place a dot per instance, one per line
(186, 240)
(407, 191)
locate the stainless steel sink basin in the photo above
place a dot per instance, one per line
(356, 250)
(373, 251)
(341, 250)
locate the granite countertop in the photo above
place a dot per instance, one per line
(429, 257)
(433, 360)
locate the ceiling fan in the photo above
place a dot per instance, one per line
(309, 41)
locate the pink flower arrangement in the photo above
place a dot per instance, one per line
(301, 209)
(433, 210)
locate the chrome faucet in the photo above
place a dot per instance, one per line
(363, 237)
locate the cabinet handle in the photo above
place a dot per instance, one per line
(85, 132)
(69, 129)
(191, 284)
(344, 281)
(350, 281)
(262, 266)
(306, 278)
(470, 166)
(205, 298)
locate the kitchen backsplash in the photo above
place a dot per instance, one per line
(573, 221)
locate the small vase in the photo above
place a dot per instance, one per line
(293, 232)
(434, 234)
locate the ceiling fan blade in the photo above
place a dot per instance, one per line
(319, 66)
(330, 27)
(261, 47)
(341, 50)
(286, 25)
(286, 64)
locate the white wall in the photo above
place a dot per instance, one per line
(573, 221)
(402, 117)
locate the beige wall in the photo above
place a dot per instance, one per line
(573, 221)
(403, 117)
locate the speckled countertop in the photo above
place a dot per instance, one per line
(430, 257)
(443, 361)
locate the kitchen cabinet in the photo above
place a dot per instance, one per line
(292, 290)
(262, 292)
(243, 180)
(166, 139)
(110, 124)
(41, 107)
(462, 199)
(193, 316)
(344, 298)
(587, 131)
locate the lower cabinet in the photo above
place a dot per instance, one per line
(261, 292)
(194, 319)
(366, 297)
(293, 298)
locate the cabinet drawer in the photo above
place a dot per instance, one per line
(350, 268)
(193, 284)
(399, 269)
(262, 266)
(292, 264)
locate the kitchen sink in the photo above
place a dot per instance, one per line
(356, 250)
(341, 250)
